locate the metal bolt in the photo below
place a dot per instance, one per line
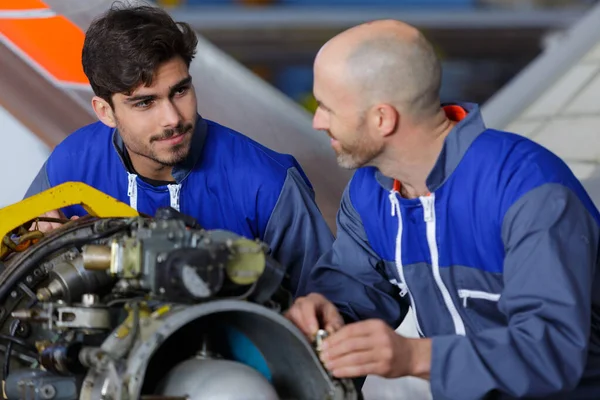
(44, 294)
(162, 290)
(319, 338)
(23, 330)
(122, 285)
(161, 257)
(89, 299)
(13, 294)
(29, 279)
(22, 314)
(47, 392)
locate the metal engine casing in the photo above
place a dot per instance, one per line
(296, 372)
(114, 325)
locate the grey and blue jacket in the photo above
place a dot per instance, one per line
(228, 181)
(499, 264)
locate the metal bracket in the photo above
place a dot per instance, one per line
(95, 202)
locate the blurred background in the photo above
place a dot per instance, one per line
(534, 65)
(483, 43)
(254, 67)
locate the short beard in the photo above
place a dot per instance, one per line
(178, 152)
(359, 153)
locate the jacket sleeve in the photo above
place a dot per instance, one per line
(551, 250)
(40, 182)
(296, 231)
(352, 276)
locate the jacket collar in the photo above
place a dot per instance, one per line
(455, 146)
(182, 169)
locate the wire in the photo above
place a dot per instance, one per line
(13, 331)
(28, 238)
(18, 341)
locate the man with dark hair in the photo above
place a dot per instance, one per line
(151, 149)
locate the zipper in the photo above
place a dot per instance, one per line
(132, 190)
(174, 195)
(401, 285)
(429, 217)
(465, 294)
(404, 290)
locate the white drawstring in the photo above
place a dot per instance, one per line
(132, 190)
(174, 190)
(398, 255)
(397, 212)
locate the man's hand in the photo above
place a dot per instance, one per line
(312, 312)
(45, 226)
(373, 348)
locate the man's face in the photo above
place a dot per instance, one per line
(157, 122)
(340, 115)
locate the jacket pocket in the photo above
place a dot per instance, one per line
(466, 294)
(481, 309)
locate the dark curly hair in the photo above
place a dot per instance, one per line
(124, 47)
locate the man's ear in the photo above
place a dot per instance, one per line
(104, 111)
(386, 119)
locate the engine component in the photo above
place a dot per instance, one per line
(96, 203)
(70, 279)
(59, 317)
(294, 368)
(319, 338)
(35, 384)
(169, 213)
(152, 308)
(96, 257)
(198, 378)
(182, 265)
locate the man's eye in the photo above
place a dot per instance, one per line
(181, 91)
(143, 104)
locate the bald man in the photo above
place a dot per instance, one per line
(487, 236)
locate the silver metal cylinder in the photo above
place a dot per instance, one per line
(70, 280)
(96, 257)
(216, 379)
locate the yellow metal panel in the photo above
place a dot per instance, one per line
(95, 202)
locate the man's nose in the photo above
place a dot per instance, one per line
(171, 117)
(320, 121)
